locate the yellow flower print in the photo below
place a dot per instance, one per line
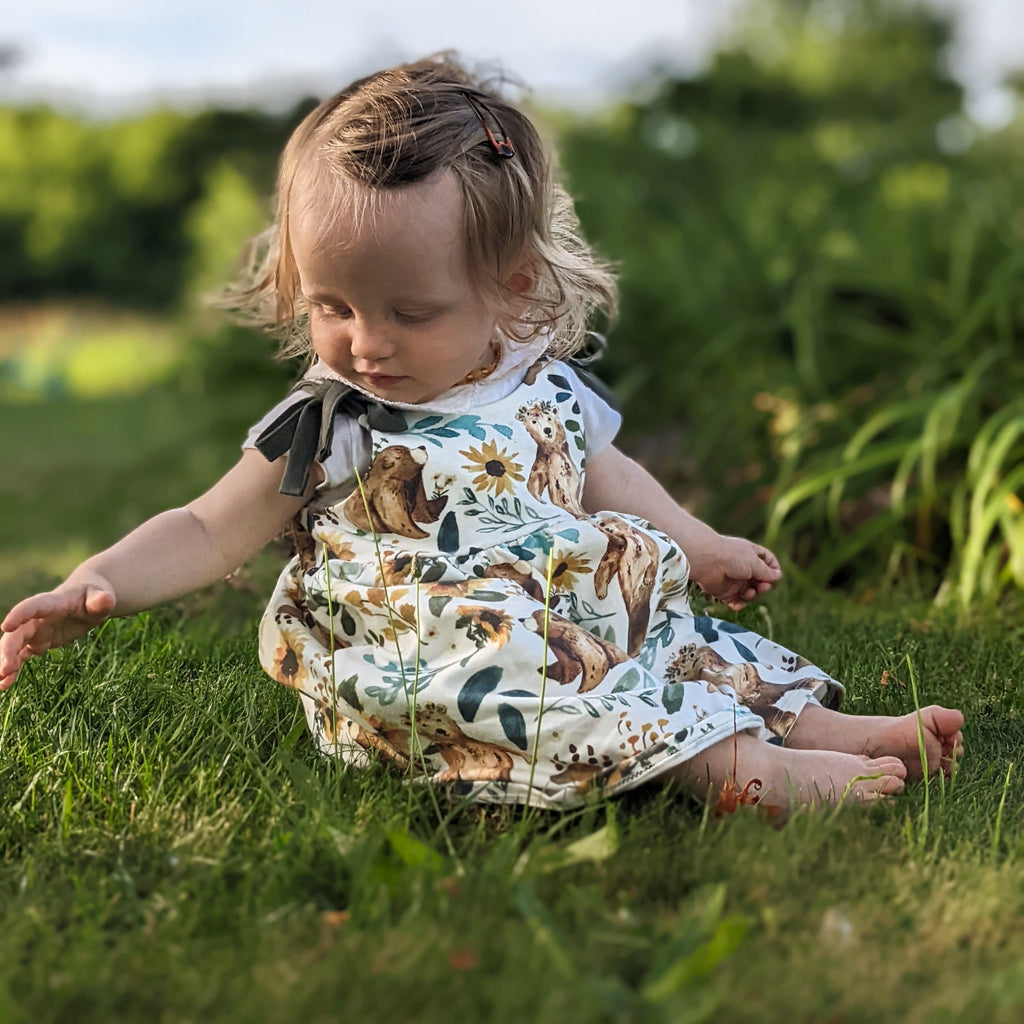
(384, 597)
(398, 569)
(337, 544)
(566, 569)
(457, 588)
(484, 625)
(288, 667)
(497, 470)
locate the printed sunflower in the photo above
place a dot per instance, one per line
(484, 625)
(497, 471)
(567, 567)
(338, 545)
(288, 668)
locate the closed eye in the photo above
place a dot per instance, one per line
(331, 312)
(415, 316)
(335, 312)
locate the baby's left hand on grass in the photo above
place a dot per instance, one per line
(736, 571)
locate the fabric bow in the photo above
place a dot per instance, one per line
(305, 429)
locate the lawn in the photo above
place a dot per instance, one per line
(174, 850)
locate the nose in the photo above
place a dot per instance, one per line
(370, 342)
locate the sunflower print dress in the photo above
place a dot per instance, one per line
(459, 616)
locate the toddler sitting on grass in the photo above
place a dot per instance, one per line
(487, 594)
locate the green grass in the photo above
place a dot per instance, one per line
(172, 849)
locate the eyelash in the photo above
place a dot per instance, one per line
(329, 313)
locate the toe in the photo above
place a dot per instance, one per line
(889, 765)
(946, 721)
(882, 776)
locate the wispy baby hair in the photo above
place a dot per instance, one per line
(398, 127)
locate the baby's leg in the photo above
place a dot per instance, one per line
(818, 728)
(790, 777)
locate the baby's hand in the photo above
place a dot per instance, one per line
(735, 571)
(51, 620)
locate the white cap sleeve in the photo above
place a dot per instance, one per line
(600, 421)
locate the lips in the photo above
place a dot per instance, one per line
(380, 380)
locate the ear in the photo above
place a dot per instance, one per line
(521, 285)
(522, 279)
(521, 282)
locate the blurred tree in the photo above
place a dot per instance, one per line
(102, 209)
(808, 239)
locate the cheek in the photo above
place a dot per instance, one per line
(326, 337)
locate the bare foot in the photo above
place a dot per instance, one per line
(936, 729)
(818, 728)
(791, 778)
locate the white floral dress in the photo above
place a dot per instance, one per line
(418, 625)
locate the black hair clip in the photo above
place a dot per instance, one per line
(503, 146)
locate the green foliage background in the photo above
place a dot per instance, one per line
(821, 261)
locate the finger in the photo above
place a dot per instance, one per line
(36, 636)
(9, 673)
(39, 606)
(99, 603)
(763, 570)
(769, 559)
(10, 665)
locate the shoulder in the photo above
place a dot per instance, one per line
(307, 385)
(347, 442)
(286, 403)
(601, 420)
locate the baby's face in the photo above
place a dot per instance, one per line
(392, 307)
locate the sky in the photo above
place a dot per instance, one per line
(106, 56)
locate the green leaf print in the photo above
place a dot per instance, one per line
(436, 605)
(500, 515)
(629, 680)
(347, 691)
(448, 534)
(348, 624)
(476, 687)
(471, 424)
(427, 421)
(513, 723)
(672, 696)
(744, 652)
(488, 595)
(433, 572)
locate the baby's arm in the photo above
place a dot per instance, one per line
(169, 555)
(731, 569)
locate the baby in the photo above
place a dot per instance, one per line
(486, 593)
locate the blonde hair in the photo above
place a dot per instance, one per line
(398, 127)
